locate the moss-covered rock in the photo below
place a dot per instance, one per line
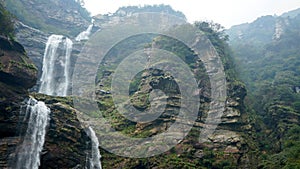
(16, 68)
(66, 144)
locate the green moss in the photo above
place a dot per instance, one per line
(8, 109)
(1, 66)
(68, 100)
(22, 65)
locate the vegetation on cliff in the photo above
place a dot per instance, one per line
(189, 153)
(267, 52)
(6, 22)
(66, 17)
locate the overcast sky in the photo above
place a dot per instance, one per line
(225, 12)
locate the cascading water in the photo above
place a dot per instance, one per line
(65, 85)
(94, 161)
(31, 148)
(85, 34)
(56, 66)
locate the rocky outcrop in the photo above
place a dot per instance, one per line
(66, 144)
(17, 72)
(34, 42)
(16, 68)
(232, 139)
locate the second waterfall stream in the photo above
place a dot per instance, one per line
(30, 150)
(94, 161)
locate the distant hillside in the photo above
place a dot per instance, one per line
(259, 32)
(268, 55)
(292, 13)
(262, 30)
(66, 17)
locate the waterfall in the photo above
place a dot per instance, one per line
(56, 66)
(28, 156)
(85, 34)
(94, 161)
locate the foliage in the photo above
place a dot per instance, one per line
(218, 37)
(6, 22)
(289, 157)
(213, 30)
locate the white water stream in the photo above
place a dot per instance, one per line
(32, 146)
(94, 161)
(85, 34)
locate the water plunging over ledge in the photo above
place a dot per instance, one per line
(85, 34)
(94, 161)
(28, 156)
(55, 77)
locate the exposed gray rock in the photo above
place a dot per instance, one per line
(34, 42)
(225, 137)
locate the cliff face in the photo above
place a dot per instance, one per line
(17, 75)
(230, 145)
(34, 42)
(16, 68)
(67, 145)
